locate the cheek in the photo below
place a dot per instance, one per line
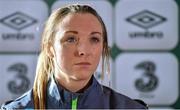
(64, 52)
(64, 57)
(97, 53)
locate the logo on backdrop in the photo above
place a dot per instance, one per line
(20, 83)
(146, 20)
(149, 81)
(18, 21)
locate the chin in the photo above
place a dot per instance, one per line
(82, 77)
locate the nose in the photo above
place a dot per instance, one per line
(83, 49)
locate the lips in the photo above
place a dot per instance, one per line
(83, 63)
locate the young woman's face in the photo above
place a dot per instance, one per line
(78, 46)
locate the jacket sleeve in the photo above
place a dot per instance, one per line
(25, 101)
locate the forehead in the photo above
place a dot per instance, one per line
(85, 21)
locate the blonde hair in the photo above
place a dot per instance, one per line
(45, 65)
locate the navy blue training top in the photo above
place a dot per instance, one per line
(96, 96)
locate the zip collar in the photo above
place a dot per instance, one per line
(57, 94)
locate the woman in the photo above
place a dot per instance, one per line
(73, 42)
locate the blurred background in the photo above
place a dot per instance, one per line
(143, 36)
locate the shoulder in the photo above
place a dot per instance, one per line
(118, 100)
(24, 101)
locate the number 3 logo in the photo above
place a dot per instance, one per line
(21, 72)
(148, 82)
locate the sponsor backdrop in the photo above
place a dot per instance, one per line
(143, 37)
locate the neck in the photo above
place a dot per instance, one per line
(72, 84)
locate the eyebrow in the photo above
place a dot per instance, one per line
(75, 32)
(96, 33)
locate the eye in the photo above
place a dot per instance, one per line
(71, 39)
(95, 39)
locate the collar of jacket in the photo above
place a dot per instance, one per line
(57, 94)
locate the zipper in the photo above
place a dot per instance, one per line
(74, 104)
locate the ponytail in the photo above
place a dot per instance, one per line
(42, 76)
